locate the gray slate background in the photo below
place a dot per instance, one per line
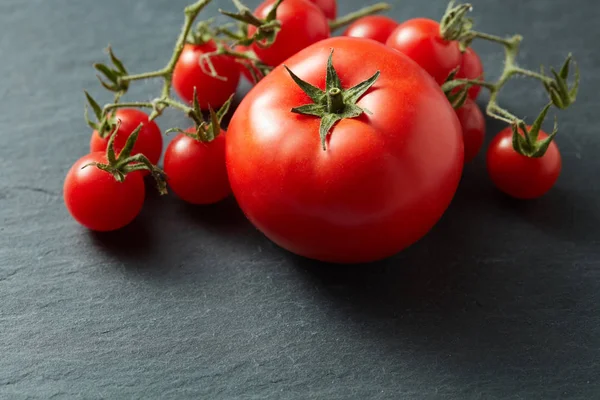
(499, 301)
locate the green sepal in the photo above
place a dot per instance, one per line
(525, 140)
(333, 104)
(124, 163)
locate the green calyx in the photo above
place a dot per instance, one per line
(266, 29)
(124, 163)
(334, 103)
(202, 33)
(525, 140)
(205, 131)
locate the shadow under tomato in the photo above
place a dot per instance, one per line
(471, 292)
(133, 242)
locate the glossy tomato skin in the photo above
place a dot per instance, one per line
(375, 27)
(329, 7)
(210, 91)
(420, 40)
(520, 176)
(149, 141)
(97, 201)
(472, 123)
(302, 24)
(471, 67)
(196, 170)
(384, 180)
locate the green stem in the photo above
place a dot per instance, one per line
(353, 16)
(134, 104)
(335, 101)
(495, 39)
(144, 75)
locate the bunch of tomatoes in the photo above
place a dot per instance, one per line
(347, 149)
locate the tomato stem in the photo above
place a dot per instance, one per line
(456, 26)
(353, 16)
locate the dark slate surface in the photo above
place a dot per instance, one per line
(499, 301)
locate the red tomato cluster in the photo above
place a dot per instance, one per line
(390, 167)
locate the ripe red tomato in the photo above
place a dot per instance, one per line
(329, 7)
(149, 141)
(302, 24)
(376, 27)
(472, 123)
(471, 68)
(385, 178)
(420, 39)
(96, 200)
(520, 176)
(196, 170)
(210, 91)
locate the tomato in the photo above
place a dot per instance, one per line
(420, 39)
(376, 27)
(471, 68)
(196, 170)
(96, 200)
(472, 123)
(386, 177)
(149, 141)
(302, 24)
(210, 91)
(520, 176)
(329, 7)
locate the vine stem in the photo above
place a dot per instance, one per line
(191, 12)
(350, 18)
(511, 50)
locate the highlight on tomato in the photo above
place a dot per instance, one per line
(351, 152)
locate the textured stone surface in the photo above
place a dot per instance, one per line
(499, 301)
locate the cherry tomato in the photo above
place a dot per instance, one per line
(329, 7)
(149, 141)
(471, 68)
(385, 179)
(196, 170)
(420, 39)
(520, 176)
(472, 123)
(376, 27)
(96, 200)
(210, 91)
(302, 24)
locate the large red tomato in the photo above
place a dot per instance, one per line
(302, 24)
(385, 178)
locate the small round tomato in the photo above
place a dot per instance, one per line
(329, 7)
(96, 200)
(149, 141)
(420, 39)
(302, 24)
(196, 170)
(471, 68)
(520, 176)
(376, 27)
(472, 123)
(385, 178)
(210, 90)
